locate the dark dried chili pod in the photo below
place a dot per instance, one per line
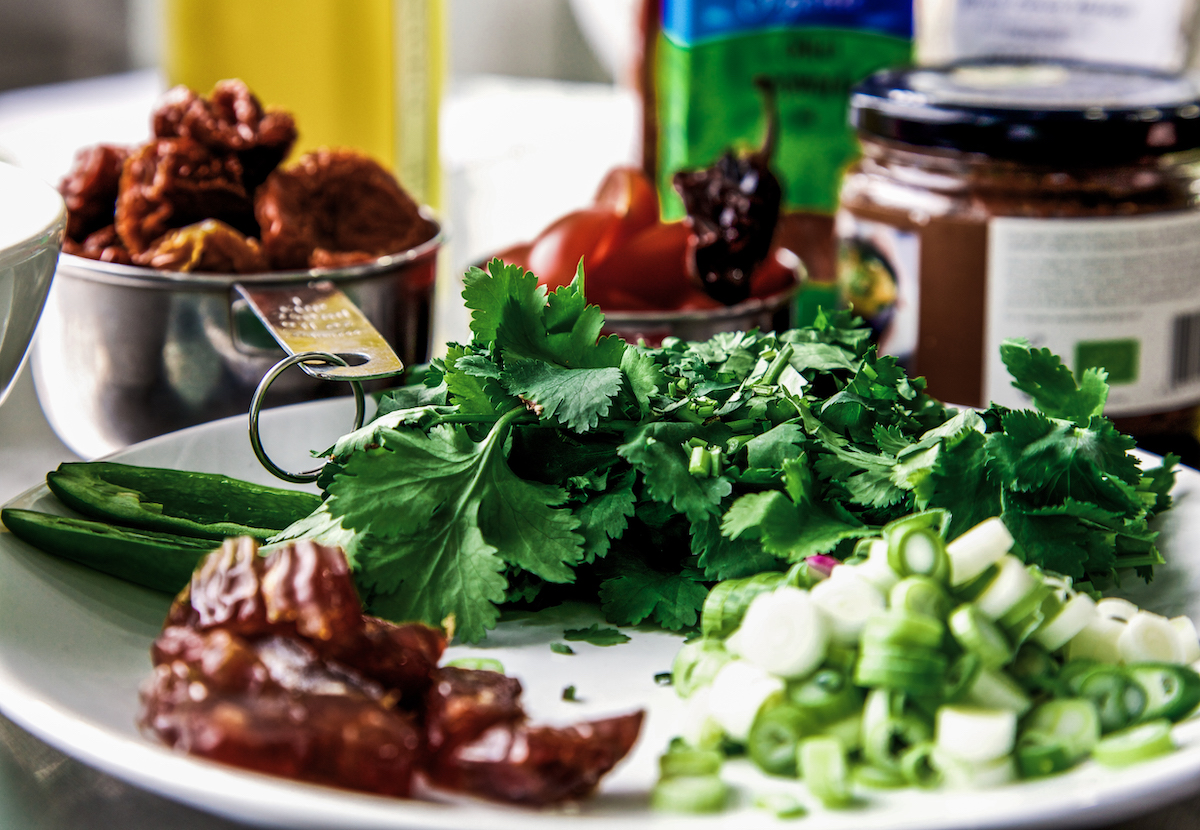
(732, 208)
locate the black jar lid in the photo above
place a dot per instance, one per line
(1033, 112)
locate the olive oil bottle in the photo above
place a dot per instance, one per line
(365, 74)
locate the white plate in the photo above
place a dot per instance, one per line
(74, 647)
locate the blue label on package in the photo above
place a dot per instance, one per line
(691, 21)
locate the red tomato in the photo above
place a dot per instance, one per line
(583, 234)
(772, 276)
(628, 193)
(651, 266)
(516, 255)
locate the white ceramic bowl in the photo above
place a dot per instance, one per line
(32, 219)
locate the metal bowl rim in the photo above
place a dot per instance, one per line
(752, 306)
(137, 275)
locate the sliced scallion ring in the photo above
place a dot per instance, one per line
(823, 765)
(1137, 743)
(977, 634)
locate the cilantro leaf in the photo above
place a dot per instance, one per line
(604, 516)
(656, 450)
(639, 593)
(440, 517)
(596, 635)
(723, 558)
(577, 398)
(1041, 375)
(561, 648)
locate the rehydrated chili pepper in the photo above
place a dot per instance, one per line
(208, 246)
(230, 120)
(103, 245)
(732, 208)
(173, 182)
(336, 207)
(90, 190)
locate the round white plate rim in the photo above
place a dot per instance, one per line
(1093, 796)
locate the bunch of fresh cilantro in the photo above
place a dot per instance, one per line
(542, 462)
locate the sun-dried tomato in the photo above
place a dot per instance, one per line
(336, 207)
(103, 245)
(208, 246)
(524, 764)
(173, 182)
(732, 208)
(90, 189)
(230, 120)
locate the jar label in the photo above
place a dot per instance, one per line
(1145, 33)
(879, 278)
(1119, 293)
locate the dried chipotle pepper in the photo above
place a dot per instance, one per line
(732, 208)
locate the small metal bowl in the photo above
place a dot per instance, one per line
(125, 353)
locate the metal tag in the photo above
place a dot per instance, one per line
(318, 317)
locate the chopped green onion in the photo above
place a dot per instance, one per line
(781, 805)
(477, 664)
(877, 778)
(700, 462)
(783, 632)
(1034, 668)
(1137, 743)
(1072, 724)
(1011, 585)
(696, 664)
(1149, 637)
(875, 568)
(1185, 629)
(1097, 640)
(920, 595)
(975, 734)
(980, 636)
(823, 764)
(1038, 755)
(1172, 692)
(888, 731)
(847, 600)
(1075, 614)
(826, 696)
(727, 602)
(961, 677)
(918, 671)
(1119, 701)
(681, 761)
(917, 767)
(690, 794)
(737, 693)
(976, 550)
(994, 689)
(774, 737)
(918, 551)
(903, 629)
(1116, 608)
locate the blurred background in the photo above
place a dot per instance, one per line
(45, 41)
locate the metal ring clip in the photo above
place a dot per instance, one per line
(360, 408)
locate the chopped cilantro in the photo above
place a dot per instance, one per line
(596, 635)
(568, 694)
(561, 648)
(542, 463)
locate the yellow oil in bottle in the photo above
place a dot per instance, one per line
(365, 74)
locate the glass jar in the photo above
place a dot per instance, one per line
(1029, 200)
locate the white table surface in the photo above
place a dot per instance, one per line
(502, 187)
